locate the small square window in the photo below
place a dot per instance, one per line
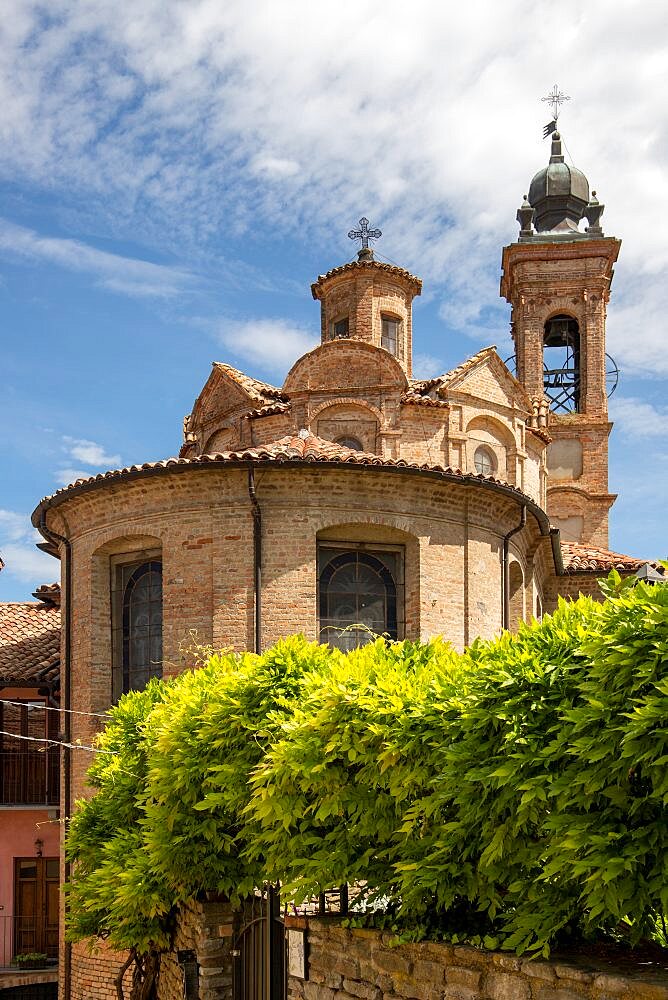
(340, 329)
(389, 336)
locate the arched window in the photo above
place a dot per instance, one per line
(141, 628)
(357, 588)
(561, 364)
(350, 442)
(484, 461)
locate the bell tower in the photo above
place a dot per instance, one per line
(557, 279)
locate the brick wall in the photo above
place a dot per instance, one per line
(362, 965)
(200, 520)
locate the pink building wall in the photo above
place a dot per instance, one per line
(19, 829)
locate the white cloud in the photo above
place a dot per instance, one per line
(271, 344)
(28, 564)
(181, 121)
(426, 366)
(274, 166)
(89, 452)
(65, 477)
(17, 548)
(639, 419)
(13, 526)
(126, 275)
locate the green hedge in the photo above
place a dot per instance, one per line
(509, 796)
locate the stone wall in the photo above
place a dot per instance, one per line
(363, 965)
(204, 929)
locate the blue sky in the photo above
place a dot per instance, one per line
(174, 175)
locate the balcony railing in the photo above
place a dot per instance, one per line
(27, 936)
(29, 777)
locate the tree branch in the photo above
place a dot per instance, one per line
(118, 981)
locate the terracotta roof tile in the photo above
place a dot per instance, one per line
(262, 391)
(49, 593)
(29, 643)
(376, 265)
(540, 432)
(413, 398)
(589, 559)
(268, 410)
(289, 448)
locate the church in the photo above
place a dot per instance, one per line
(355, 500)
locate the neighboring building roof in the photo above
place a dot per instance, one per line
(30, 643)
(589, 559)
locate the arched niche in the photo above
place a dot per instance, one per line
(516, 581)
(348, 418)
(488, 435)
(223, 439)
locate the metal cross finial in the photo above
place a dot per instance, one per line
(364, 233)
(555, 98)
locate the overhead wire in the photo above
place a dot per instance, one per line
(38, 706)
(58, 743)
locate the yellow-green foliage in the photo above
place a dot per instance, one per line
(508, 795)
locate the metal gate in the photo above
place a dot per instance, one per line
(259, 969)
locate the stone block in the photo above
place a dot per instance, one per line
(391, 961)
(577, 974)
(556, 993)
(458, 976)
(315, 991)
(539, 970)
(509, 962)
(365, 991)
(460, 993)
(468, 955)
(432, 972)
(331, 979)
(504, 986)
(615, 986)
(407, 988)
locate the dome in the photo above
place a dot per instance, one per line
(558, 193)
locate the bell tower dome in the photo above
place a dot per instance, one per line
(557, 279)
(369, 300)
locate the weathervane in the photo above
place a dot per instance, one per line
(364, 233)
(554, 99)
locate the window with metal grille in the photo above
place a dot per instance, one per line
(360, 594)
(137, 624)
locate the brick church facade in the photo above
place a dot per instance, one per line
(355, 494)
